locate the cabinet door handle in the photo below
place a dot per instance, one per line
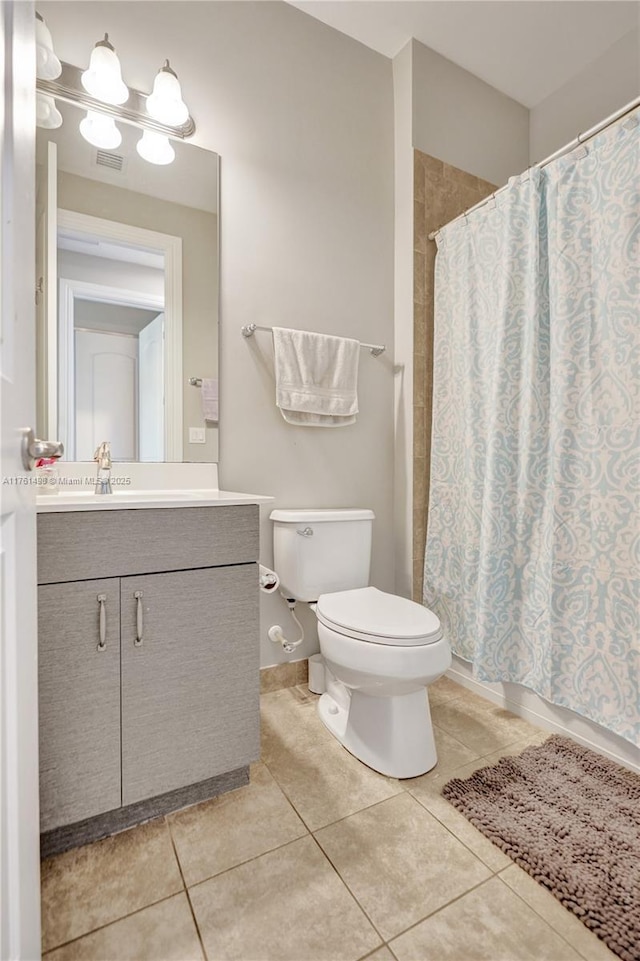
(102, 617)
(139, 619)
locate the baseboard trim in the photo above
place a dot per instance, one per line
(556, 720)
(289, 674)
(113, 822)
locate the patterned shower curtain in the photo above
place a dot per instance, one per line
(533, 543)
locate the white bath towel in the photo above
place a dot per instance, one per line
(210, 399)
(316, 378)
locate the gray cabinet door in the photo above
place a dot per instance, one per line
(190, 707)
(79, 701)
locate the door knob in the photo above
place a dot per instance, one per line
(33, 449)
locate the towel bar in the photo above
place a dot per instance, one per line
(249, 329)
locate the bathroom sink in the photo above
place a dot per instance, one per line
(124, 495)
(86, 500)
(154, 495)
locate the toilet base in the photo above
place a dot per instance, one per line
(392, 735)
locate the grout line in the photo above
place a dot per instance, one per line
(463, 843)
(457, 898)
(256, 857)
(351, 893)
(455, 738)
(367, 957)
(287, 798)
(246, 860)
(186, 890)
(108, 924)
(546, 920)
(438, 910)
(289, 801)
(344, 817)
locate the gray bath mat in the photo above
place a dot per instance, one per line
(571, 819)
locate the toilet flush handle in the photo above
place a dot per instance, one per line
(305, 532)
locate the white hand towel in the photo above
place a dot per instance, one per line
(316, 378)
(210, 398)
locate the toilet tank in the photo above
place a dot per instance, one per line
(321, 551)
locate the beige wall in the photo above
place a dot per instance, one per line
(463, 121)
(198, 230)
(403, 328)
(603, 87)
(302, 118)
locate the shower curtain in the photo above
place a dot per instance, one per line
(533, 535)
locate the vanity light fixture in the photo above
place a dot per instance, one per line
(101, 91)
(48, 67)
(103, 79)
(165, 103)
(155, 148)
(47, 114)
(101, 131)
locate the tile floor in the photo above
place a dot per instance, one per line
(317, 859)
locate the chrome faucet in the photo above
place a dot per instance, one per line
(103, 457)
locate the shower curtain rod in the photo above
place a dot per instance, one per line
(581, 138)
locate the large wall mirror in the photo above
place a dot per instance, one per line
(127, 318)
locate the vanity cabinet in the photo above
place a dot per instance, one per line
(149, 680)
(79, 700)
(188, 686)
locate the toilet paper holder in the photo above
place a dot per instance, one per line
(268, 580)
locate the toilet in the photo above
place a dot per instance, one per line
(380, 650)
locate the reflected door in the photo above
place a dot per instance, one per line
(151, 390)
(106, 393)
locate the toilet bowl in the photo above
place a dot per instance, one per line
(381, 652)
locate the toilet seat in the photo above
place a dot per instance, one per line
(368, 614)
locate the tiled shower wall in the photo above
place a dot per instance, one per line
(441, 192)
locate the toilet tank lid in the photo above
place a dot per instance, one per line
(303, 516)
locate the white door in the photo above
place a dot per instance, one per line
(151, 391)
(19, 828)
(106, 390)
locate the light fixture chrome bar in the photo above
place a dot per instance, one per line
(68, 88)
(249, 329)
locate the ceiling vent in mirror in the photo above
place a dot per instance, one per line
(111, 160)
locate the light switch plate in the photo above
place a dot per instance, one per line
(197, 435)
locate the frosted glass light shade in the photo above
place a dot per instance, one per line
(100, 131)
(103, 78)
(165, 102)
(47, 114)
(48, 67)
(155, 148)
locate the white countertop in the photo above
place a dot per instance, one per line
(84, 500)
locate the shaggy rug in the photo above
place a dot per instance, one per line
(571, 819)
